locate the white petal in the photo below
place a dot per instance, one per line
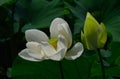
(35, 35)
(60, 26)
(59, 55)
(24, 54)
(48, 49)
(75, 52)
(35, 50)
(61, 49)
(62, 42)
(36, 55)
(33, 46)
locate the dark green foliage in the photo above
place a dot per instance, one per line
(16, 16)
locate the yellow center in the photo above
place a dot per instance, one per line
(53, 42)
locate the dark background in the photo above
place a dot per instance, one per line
(16, 16)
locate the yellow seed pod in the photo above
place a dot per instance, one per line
(53, 42)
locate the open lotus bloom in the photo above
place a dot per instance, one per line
(39, 47)
(94, 35)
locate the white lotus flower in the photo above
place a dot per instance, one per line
(40, 47)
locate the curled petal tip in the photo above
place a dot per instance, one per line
(75, 52)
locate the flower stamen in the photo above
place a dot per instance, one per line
(53, 42)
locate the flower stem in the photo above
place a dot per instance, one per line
(101, 63)
(61, 70)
